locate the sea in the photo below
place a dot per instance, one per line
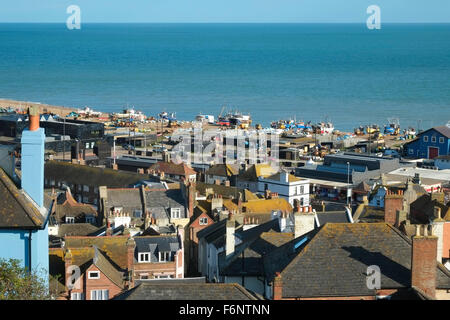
(343, 73)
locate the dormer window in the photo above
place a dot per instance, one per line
(144, 257)
(175, 213)
(164, 256)
(70, 219)
(203, 221)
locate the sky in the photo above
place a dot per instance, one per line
(220, 11)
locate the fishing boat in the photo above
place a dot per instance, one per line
(393, 128)
(168, 116)
(234, 118)
(373, 128)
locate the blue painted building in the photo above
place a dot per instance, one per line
(429, 144)
(23, 215)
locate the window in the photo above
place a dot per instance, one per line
(203, 221)
(77, 296)
(100, 294)
(175, 213)
(137, 213)
(85, 188)
(411, 151)
(441, 139)
(425, 138)
(144, 276)
(70, 219)
(302, 189)
(94, 275)
(90, 219)
(144, 257)
(164, 256)
(433, 139)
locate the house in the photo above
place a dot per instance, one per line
(287, 186)
(249, 179)
(24, 211)
(221, 173)
(68, 210)
(219, 243)
(171, 170)
(159, 257)
(243, 264)
(205, 214)
(185, 289)
(93, 268)
(336, 261)
(142, 207)
(84, 181)
(429, 144)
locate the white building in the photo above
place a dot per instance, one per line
(287, 186)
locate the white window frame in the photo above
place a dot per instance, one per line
(164, 254)
(77, 296)
(425, 138)
(90, 276)
(100, 294)
(175, 213)
(433, 138)
(144, 257)
(203, 221)
(441, 139)
(70, 220)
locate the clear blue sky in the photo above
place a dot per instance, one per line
(225, 10)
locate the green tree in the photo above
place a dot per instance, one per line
(17, 283)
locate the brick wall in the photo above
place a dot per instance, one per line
(99, 284)
(424, 263)
(392, 204)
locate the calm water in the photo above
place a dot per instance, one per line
(346, 73)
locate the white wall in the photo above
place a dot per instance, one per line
(442, 164)
(287, 190)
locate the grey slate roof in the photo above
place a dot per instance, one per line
(186, 291)
(155, 244)
(335, 261)
(16, 209)
(158, 201)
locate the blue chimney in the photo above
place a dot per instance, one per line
(33, 141)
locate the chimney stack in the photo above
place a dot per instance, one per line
(277, 287)
(33, 143)
(304, 221)
(424, 260)
(393, 202)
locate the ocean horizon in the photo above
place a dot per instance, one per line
(340, 72)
